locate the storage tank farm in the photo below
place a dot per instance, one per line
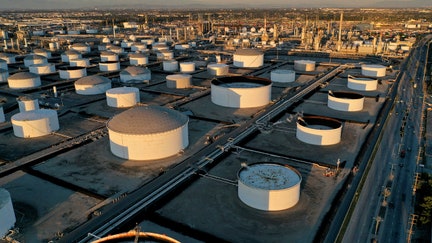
(7, 214)
(345, 101)
(148, 133)
(92, 85)
(269, 186)
(135, 74)
(319, 130)
(122, 97)
(241, 91)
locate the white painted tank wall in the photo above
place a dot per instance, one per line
(28, 105)
(3, 64)
(92, 89)
(81, 62)
(344, 104)
(42, 68)
(179, 81)
(35, 59)
(170, 65)
(373, 70)
(282, 76)
(29, 82)
(304, 65)
(149, 146)
(142, 60)
(217, 69)
(35, 123)
(187, 67)
(4, 74)
(108, 57)
(241, 97)
(109, 66)
(65, 57)
(318, 136)
(122, 97)
(250, 61)
(363, 84)
(7, 214)
(70, 74)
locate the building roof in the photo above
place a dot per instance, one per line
(92, 80)
(147, 120)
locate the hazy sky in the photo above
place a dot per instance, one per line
(61, 4)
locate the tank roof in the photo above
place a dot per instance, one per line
(122, 90)
(93, 80)
(269, 176)
(135, 70)
(147, 120)
(248, 52)
(34, 57)
(33, 115)
(23, 75)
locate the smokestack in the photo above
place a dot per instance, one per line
(55, 91)
(340, 33)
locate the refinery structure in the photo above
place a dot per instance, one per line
(212, 126)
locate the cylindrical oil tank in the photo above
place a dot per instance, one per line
(170, 65)
(249, 58)
(116, 49)
(109, 66)
(7, 214)
(106, 40)
(138, 47)
(159, 46)
(4, 74)
(70, 54)
(92, 85)
(217, 69)
(81, 62)
(187, 67)
(345, 101)
(107, 56)
(148, 133)
(72, 72)
(46, 68)
(269, 186)
(361, 83)
(241, 91)
(319, 130)
(3, 64)
(26, 103)
(133, 235)
(126, 44)
(34, 59)
(135, 74)
(164, 55)
(35, 123)
(179, 81)
(138, 59)
(8, 57)
(42, 52)
(282, 76)
(372, 70)
(81, 47)
(122, 97)
(304, 65)
(24, 80)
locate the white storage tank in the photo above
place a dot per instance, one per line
(34, 59)
(107, 56)
(35, 123)
(106, 40)
(148, 133)
(164, 55)
(24, 80)
(138, 59)
(92, 85)
(80, 62)
(217, 69)
(126, 44)
(269, 186)
(170, 65)
(46, 68)
(109, 66)
(373, 70)
(122, 97)
(135, 74)
(3, 64)
(362, 84)
(8, 57)
(72, 72)
(282, 76)
(179, 81)
(116, 49)
(304, 65)
(187, 67)
(69, 55)
(42, 52)
(159, 46)
(26, 103)
(7, 214)
(139, 47)
(4, 74)
(345, 101)
(249, 58)
(319, 130)
(241, 91)
(80, 47)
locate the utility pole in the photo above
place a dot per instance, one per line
(413, 220)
